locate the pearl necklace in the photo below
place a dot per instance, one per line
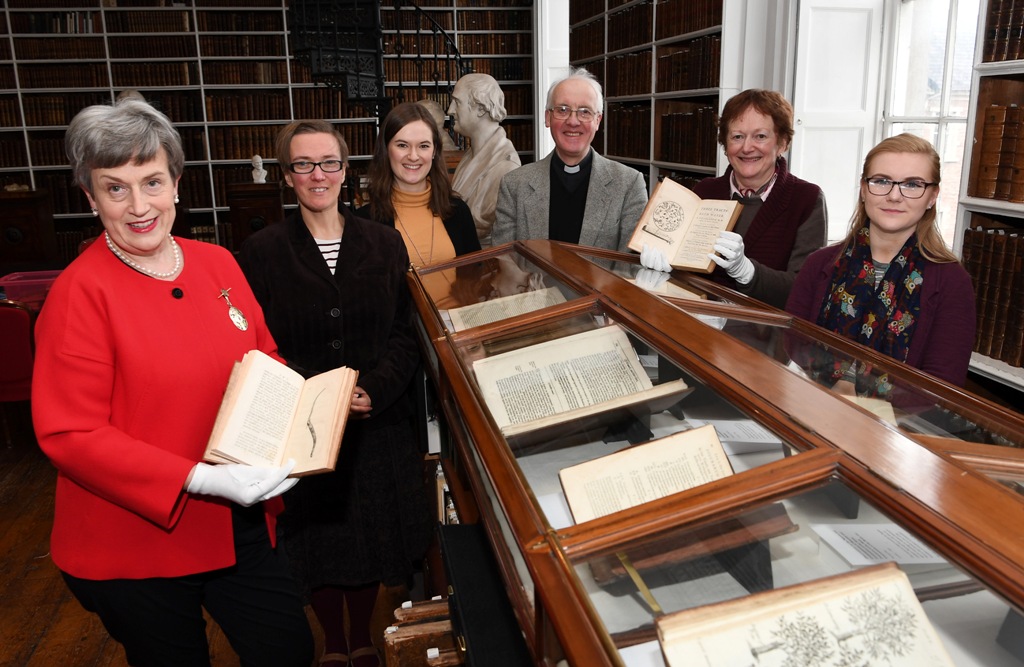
(141, 269)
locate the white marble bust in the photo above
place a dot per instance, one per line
(259, 174)
(478, 106)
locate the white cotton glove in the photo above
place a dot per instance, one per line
(242, 484)
(730, 246)
(654, 259)
(650, 280)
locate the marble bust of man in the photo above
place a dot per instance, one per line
(259, 174)
(478, 105)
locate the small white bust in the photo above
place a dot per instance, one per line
(259, 174)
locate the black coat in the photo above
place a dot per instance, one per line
(369, 519)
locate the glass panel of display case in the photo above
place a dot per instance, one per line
(840, 367)
(677, 285)
(491, 289)
(828, 531)
(599, 421)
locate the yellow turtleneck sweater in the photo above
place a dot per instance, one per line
(425, 236)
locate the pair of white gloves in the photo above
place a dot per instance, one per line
(730, 256)
(242, 484)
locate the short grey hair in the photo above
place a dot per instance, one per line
(582, 74)
(105, 136)
(485, 92)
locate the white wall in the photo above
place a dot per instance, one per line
(550, 63)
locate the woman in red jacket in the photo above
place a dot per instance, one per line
(133, 350)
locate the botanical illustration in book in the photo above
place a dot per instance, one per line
(684, 226)
(869, 616)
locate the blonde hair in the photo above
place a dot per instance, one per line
(929, 240)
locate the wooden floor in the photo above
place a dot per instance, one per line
(41, 624)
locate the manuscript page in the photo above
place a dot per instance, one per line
(565, 378)
(503, 307)
(643, 473)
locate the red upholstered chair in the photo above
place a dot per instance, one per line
(17, 351)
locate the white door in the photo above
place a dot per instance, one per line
(836, 98)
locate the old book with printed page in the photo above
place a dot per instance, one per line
(684, 226)
(270, 414)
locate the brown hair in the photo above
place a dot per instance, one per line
(382, 179)
(929, 240)
(283, 143)
(767, 102)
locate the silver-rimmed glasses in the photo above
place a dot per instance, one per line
(583, 114)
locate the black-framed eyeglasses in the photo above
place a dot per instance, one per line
(583, 114)
(327, 166)
(912, 189)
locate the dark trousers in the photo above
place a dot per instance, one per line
(256, 603)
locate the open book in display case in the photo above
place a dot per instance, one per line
(638, 450)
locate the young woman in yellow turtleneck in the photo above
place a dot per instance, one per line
(409, 189)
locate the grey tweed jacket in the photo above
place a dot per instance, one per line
(615, 200)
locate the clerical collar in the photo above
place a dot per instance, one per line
(745, 193)
(574, 176)
(576, 168)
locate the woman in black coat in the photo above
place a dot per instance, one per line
(333, 289)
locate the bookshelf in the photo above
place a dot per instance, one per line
(659, 62)
(224, 73)
(496, 40)
(990, 222)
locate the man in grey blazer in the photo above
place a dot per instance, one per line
(574, 194)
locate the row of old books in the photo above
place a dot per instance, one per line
(241, 22)
(1000, 173)
(692, 65)
(630, 27)
(49, 109)
(587, 40)
(1004, 31)
(127, 75)
(12, 154)
(629, 131)
(581, 10)
(9, 114)
(410, 20)
(143, 21)
(67, 75)
(168, 46)
(57, 23)
(240, 46)
(689, 137)
(487, 20)
(55, 48)
(678, 17)
(995, 260)
(629, 74)
(232, 72)
(232, 106)
(499, 43)
(504, 69)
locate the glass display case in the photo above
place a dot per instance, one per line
(639, 447)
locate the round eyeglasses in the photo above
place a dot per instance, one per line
(327, 166)
(583, 114)
(912, 189)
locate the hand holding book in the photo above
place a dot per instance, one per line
(731, 257)
(241, 483)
